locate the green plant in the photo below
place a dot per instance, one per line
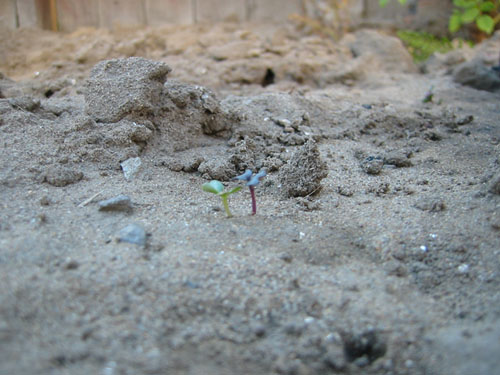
(422, 45)
(485, 13)
(252, 181)
(216, 187)
(383, 3)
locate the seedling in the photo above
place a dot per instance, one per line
(216, 187)
(429, 96)
(252, 181)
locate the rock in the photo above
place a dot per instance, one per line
(399, 159)
(61, 176)
(431, 204)
(277, 117)
(495, 185)
(372, 165)
(71, 264)
(369, 344)
(388, 51)
(303, 173)
(25, 102)
(444, 61)
(120, 88)
(199, 105)
(119, 203)
(45, 201)
(217, 169)
(234, 50)
(334, 358)
(345, 190)
(463, 354)
(476, 74)
(134, 234)
(131, 167)
(350, 72)
(183, 161)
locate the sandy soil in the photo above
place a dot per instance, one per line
(375, 247)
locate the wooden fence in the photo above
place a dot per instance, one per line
(68, 15)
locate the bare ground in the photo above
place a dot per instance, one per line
(388, 265)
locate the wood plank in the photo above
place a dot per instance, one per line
(28, 14)
(8, 14)
(73, 14)
(161, 12)
(220, 10)
(272, 10)
(121, 13)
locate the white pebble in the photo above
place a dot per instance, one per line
(463, 268)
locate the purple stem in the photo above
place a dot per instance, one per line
(254, 202)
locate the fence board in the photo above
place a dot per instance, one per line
(73, 14)
(159, 12)
(220, 10)
(8, 14)
(272, 10)
(28, 15)
(121, 12)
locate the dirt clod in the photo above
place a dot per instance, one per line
(61, 176)
(303, 173)
(132, 88)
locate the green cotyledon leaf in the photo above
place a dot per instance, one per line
(226, 193)
(213, 186)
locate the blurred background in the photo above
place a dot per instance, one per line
(335, 16)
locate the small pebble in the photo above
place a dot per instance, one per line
(286, 257)
(372, 165)
(463, 268)
(431, 204)
(44, 201)
(71, 264)
(309, 320)
(131, 167)
(119, 203)
(259, 330)
(62, 176)
(134, 234)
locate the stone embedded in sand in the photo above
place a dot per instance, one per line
(476, 74)
(61, 176)
(131, 167)
(122, 88)
(372, 165)
(431, 204)
(217, 169)
(303, 173)
(495, 184)
(195, 105)
(134, 234)
(389, 53)
(119, 203)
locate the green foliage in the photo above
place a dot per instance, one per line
(216, 187)
(423, 45)
(383, 3)
(483, 12)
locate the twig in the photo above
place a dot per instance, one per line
(87, 201)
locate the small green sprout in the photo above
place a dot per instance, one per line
(429, 96)
(216, 187)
